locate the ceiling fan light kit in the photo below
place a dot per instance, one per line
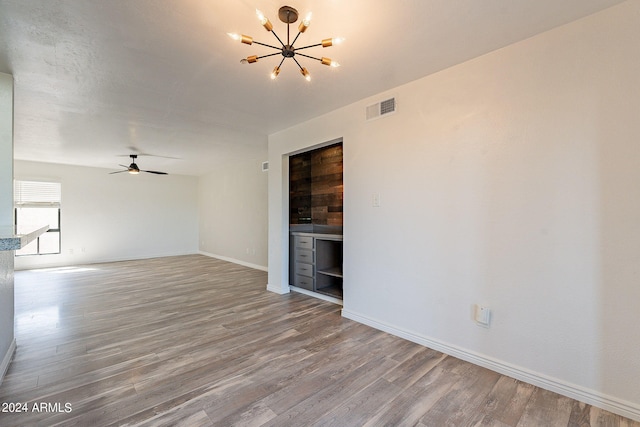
(288, 15)
(133, 168)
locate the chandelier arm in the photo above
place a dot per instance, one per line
(266, 56)
(267, 45)
(280, 64)
(307, 47)
(297, 62)
(276, 36)
(294, 40)
(307, 56)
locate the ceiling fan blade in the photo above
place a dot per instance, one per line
(150, 155)
(133, 167)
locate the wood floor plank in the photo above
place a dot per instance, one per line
(506, 402)
(195, 341)
(546, 408)
(181, 419)
(330, 394)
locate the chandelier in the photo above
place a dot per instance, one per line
(288, 15)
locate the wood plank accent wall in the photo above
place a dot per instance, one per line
(315, 185)
(300, 189)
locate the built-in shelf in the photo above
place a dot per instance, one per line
(335, 272)
(316, 263)
(334, 290)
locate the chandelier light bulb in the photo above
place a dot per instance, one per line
(331, 42)
(306, 21)
(306, 74)
(304, 24)
(264, 21)
(241, 37)
(275, 73)
(329, 62)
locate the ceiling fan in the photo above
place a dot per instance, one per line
(134, 169)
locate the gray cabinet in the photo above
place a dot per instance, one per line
(316, 263)
(303, 262)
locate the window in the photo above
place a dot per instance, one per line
(38, 204)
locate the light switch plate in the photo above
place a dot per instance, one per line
(483, 315)
(375, 200)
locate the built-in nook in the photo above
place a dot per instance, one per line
(315, 221)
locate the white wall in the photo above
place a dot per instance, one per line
(233, 213)
(6, 155)
(7, 342)
(510, 180)
(117, 217)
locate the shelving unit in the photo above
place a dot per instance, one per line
(316, 263)
(329, 266)
(315, 221)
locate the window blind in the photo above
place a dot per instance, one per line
(36, 193)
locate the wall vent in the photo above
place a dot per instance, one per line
(265, 166)
(381, 108)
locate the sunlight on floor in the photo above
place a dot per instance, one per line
(40, 319)
(64, 270)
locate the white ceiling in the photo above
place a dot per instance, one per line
(97, 79)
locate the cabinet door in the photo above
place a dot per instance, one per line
(304, 282)
(304, 255)
(304, 269)
(304, 242)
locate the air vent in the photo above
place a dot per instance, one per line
(265, 166)
(380, 109)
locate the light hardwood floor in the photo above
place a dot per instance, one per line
(195, 341)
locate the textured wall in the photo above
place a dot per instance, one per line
(6, 213)
(6, 303)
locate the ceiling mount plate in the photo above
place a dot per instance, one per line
(288, 14)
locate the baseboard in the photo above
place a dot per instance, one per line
(101, 260)
(316, 295)
(235, 261)
(277, 289)
(591, 397)
(7, 360)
